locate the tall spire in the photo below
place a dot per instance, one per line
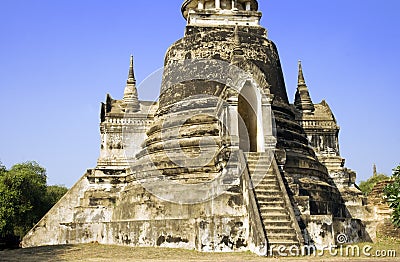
(131, 76)
(301, 80)
(131, 101)
(303, 100)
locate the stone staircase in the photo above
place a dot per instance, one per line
(279, 225)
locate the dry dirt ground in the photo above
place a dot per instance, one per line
(97, 252)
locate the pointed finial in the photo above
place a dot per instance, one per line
(301, 80)
(236, 35)
(237, 50)
(302, 99)
(131, 100)
(131, 76)
(375, 171)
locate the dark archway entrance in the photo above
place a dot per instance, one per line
(247, 108)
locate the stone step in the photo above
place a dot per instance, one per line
(266, 177)
(280, 231)
(262, 177)
(271, 204)
(270, 193)
(277, 238)
(261, 201)
(275, 206)
(262, 194)
(280, 242)
(263, 183)
(256, 155)
(270, 180)
(282, 216)
(278, 216)
(266, 181)
(265, 161)
(260, 163)
(267, 191)
(270, 198)
(267, 186)
(263, 186)
(265, 204)
(268, 209)
(272, 211)
(258, 167)
(260, 171)
(262, 160)
(249, 158)
(277, 223)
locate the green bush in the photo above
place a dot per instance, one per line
(392, 192)
(367, 186)
(24, 197)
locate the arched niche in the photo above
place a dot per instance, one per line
(250, 122)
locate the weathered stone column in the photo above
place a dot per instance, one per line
(201, 5)
(233, 4)
(248, 6)
(231, 173)
(269, 139)
(232, 122)
(217, 4)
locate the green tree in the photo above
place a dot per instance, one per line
(22, 202)
(367, 186)
(53, 194)
(25, 198)
(392, 192)
(3, 169)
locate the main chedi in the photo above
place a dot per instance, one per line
(222, 162)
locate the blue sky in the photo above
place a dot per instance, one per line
(58, 59)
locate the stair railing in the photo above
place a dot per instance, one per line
(288, 202)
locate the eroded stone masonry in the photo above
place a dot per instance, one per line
(222, 162)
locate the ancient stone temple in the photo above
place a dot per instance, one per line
(222, 162)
